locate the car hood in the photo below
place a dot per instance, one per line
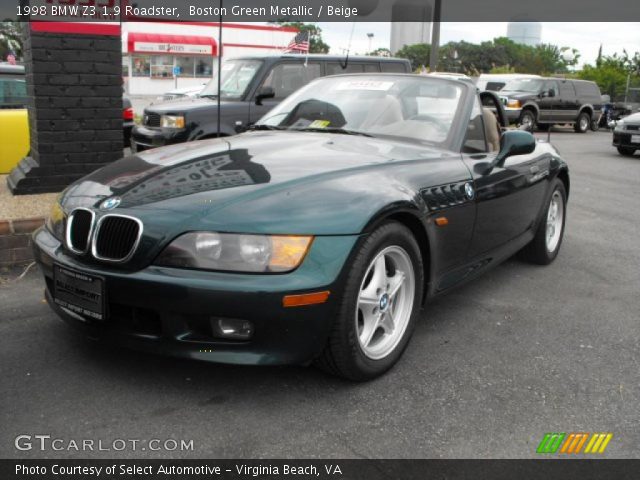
(186, 105)
(634, 118)
(258, 182)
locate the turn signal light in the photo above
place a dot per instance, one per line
(305, 299)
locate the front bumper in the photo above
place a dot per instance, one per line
(144, 138)
(624, 139)
(169, 311)
(513, 114)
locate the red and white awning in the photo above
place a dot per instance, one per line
(171, 44)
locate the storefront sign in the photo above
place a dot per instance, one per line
(175, 48)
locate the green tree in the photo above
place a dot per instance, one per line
(611, 74)
(380, 52)
(316, 44)
(10, 39)
(417, 54)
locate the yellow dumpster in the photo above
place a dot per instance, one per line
(14, 138)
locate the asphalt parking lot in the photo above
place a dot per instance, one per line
(492, 367)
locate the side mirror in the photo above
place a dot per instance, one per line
(512, 142)
(264, 92)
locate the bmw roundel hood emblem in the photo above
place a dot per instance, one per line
(468, 191)
(110, 203)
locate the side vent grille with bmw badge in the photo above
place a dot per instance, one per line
(79, 226)
(116, 238)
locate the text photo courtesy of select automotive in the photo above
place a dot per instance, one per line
(272, 238)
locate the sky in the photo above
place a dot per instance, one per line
(586, 37)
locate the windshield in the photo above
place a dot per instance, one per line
(529, 85)
(236, 77)
(404, 107)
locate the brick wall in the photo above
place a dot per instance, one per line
(15, 240)
(74, 88)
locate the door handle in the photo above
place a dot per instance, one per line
(534, 169)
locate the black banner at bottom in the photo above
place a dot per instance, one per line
(565, 469)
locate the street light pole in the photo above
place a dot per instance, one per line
(435, 36)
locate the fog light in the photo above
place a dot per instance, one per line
(232, 328)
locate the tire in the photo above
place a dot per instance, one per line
(528, 120)
(356, 350)
(626, 151)
(583, 123)
(543, 249)
(595, 125)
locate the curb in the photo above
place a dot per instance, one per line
(16, 242)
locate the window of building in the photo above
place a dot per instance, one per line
(204, 66)
(125, 66)
(140, 66)
(187, 66)
(162, 66)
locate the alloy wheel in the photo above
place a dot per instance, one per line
(385, 302)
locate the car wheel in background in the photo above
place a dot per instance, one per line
(626, 151)
(545, 246)
(528, 120)
(595, 125)
(379, 307)
(583, 123)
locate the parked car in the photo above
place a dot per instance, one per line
(14, 123)
(185, 92)
(316, 236)
(543, 102)
(494, 82)
(626, 134)
(251, 86)
(127, 120)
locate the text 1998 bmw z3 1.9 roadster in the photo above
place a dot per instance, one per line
(315, 237)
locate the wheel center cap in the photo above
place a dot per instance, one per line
(384, 302)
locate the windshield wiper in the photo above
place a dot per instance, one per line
(262, 126)
(332, 130)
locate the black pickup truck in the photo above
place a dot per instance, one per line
(250, 87)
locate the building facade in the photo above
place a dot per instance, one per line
(160, 56)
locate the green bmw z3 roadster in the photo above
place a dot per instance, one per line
(317, 237)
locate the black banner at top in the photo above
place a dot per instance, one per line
(321, 10)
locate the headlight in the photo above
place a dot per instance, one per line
(513, 103)
(172, 121)
(236, 253)
(619, 126)
(55, 221)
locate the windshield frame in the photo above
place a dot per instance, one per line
(235, 98)
(453, 136)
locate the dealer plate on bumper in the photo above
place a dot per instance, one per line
(635, 138)
(78, 292)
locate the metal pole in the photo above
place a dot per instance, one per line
(435, 36)
(626, 90)
(219, 65)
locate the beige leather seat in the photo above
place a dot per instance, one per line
(385, 112)
(492, 129)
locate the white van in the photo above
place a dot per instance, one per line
(495, 82)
